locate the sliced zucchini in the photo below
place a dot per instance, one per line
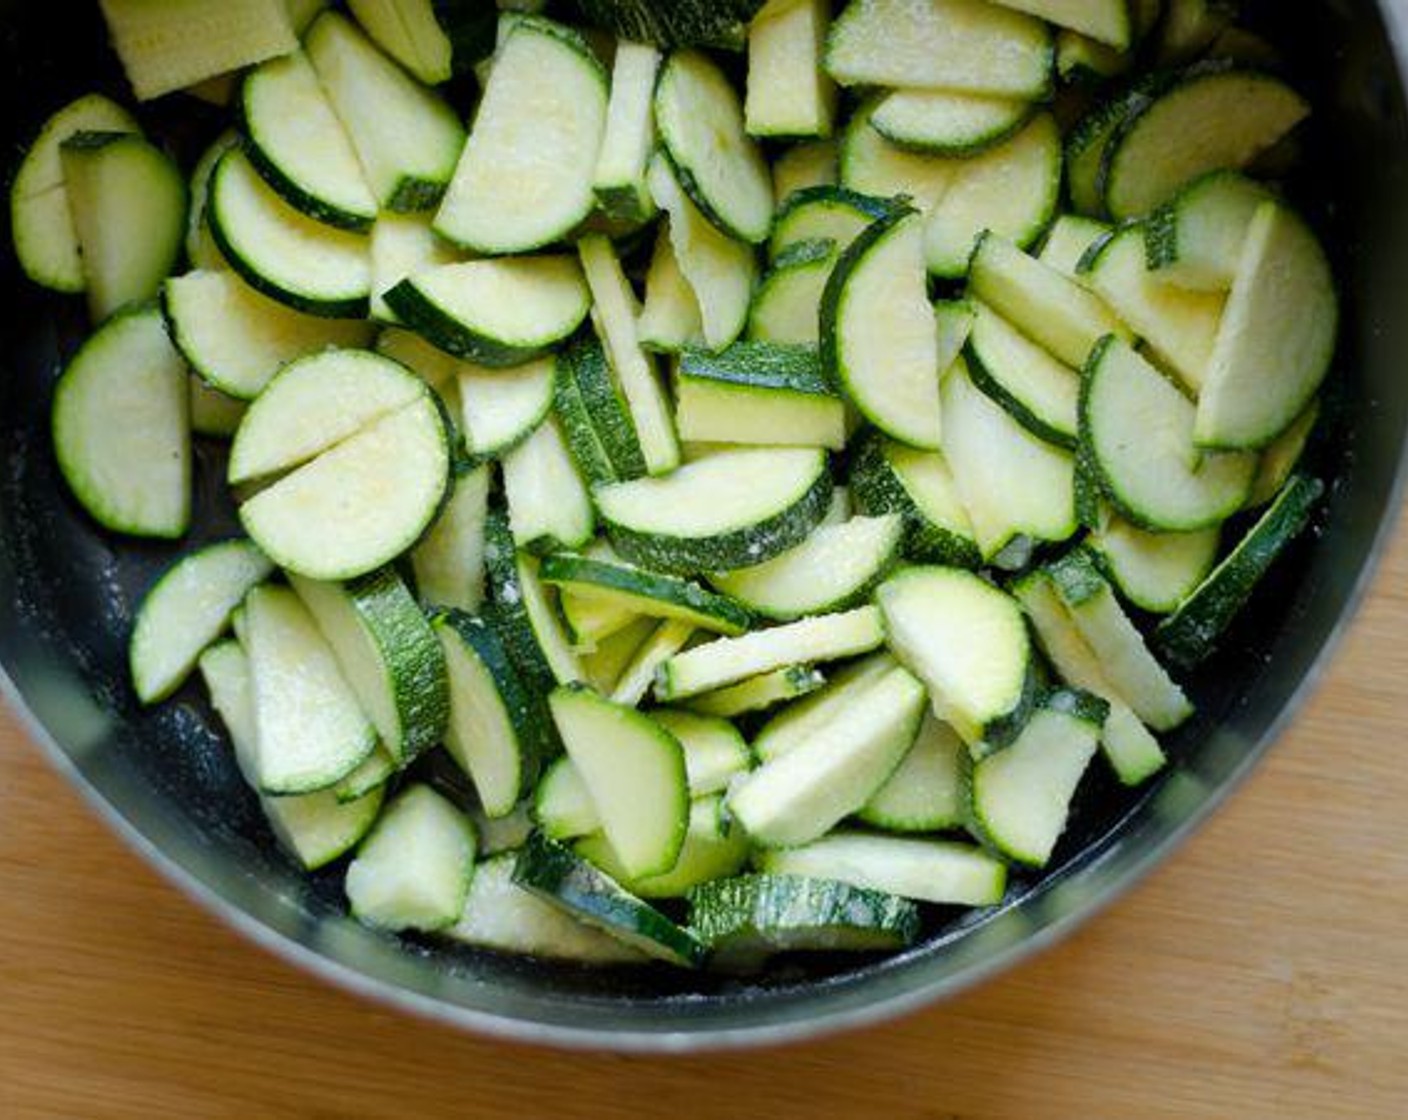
(545, 621)
(496, 729)
(670, 318)
(1132, 751)
(121, 427)
(962, 45)
(127, 200)
(967, 641)
(804, 165)
(41, 219)
(789, 94)
(757, 393)
(1180, 326)
(562, 804)
(1191, 633)
(508, 606)
(757, 694)
(548, 504)
(723, 25)
(501, 915)
(731, 510)
(834, 569)
(433, 39)
(642, 592)
(1210, 119)
(711, 851)
(801, 722)
(311, 732)
(359, 505)
(1085, 62)
(872, 165)
(638, 676)
(878, 339)
(938, 871)
(702, 132)
(1012, 484)
(315, 404)
(403, 245)
(1066, 244)
(1188, 28)
(1195, 239)
(1091, 138)
(413, 871)
(1040, 301)
(503, 408)
(372, 775)
(1155, 571)
(1280, 459)
(388, 655)
(604, 666)
(561, 877)
(1137, 677)
(212, 412)
(1137, 431)
(720, 270)
(286, 255)
(714, 751)
(236, 339)
(1039, 392)
(944, 123)
(787, 306)
(186, 610)
(583, 363)
(547, 93)
(1011, 190)
(1276, 339)
(727, 661)
(1106, 21)
(296, 141)
(1019, 798)
(796, 797)
(406, 136)
(887, 477)
(500, 312)
(629, 135)
(615, 313)
(201, 250)
(924, 794)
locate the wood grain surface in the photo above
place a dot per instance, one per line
(1263, 972)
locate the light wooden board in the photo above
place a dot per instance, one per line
(1262, 973)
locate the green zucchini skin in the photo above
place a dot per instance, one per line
(717, 612)
(447, 333)
(675, 23)
(584, 362)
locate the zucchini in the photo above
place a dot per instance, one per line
(1067, 242)
(281, 253)
(433, 39)
(201, 250)
(938, 871)
(1189, 27)
(871, 165)
(634, 772)
(1276, 339)
(726, 661)
(1085, 62)
(962, 45)
(508, 612)
(967, 641)
(796, 797)
(1279, 461)
(186, 610)
(1137, 677)
(642, 592)
(1154, 571)
(787, 306)
(548, 92)
(502, 409)
(615, 313)
(562, 804)
(583, 363)
(1209, 119)
(402, 245)
(924, 794)
(757, 694)
(757, 393)
(730, 510)
(1190, 634)
(878, 340)
(236, 339)
(789, 94)
(1012, 484)
(121, 429)
(311, 732)
(945, 123)
(714, 751)
(406, 136)
(545, 622)
(711, 851)
(128, 204)
(887, 477)
(670, 318)
(300, 148)
(548, 504)
(638, 676)
(604, 666)
(559, 876)
(413, 871)
(212, 412)
(1195, 239)
(703, 135)
(749, 918)
(824, 213)
(628, 135)
(1107, 21)
(495, 312)
(720, 270)
(812, 164)
(1038, 391)
(41, 219)
(803, 721)
(1020, 798)
(388, 655)
(1157, 481)
(1090, 141)
(723, 23)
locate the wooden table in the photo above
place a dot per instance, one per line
(1263, 973)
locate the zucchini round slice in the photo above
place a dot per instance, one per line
(1155, 571)
(730, 510)
(712, 850)
(925, 793)
(943, 123)
(887, 477)
(824, 213)
(719, 165)
(1040, 392)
